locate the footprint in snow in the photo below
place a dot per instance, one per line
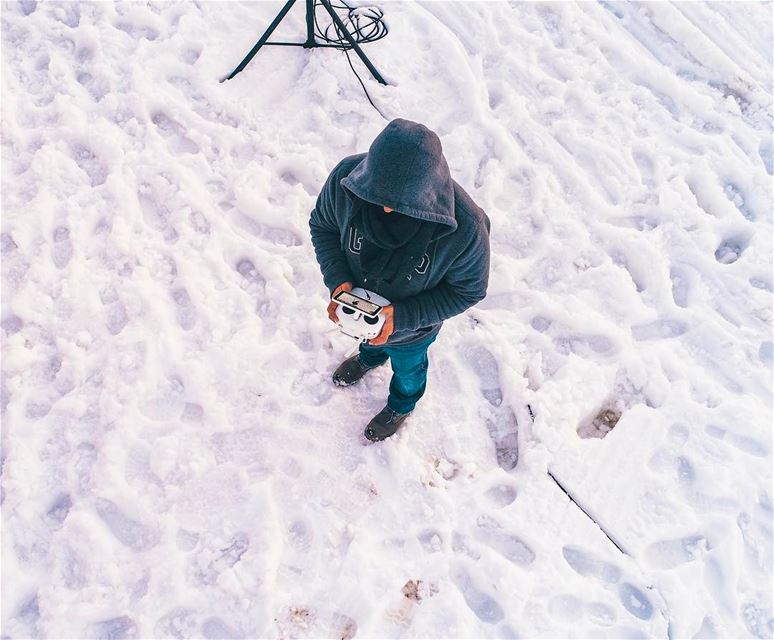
(485, 607)
(215, 629)
(431, 541)
(192, 412)
(120, 628)
(185, 312)
(677, 435)
(587, 565)
(646, 166)
(668, 554)
(503, 429)
(731, 249)
(186, 540)
(246, 447)
(461, 545)
(565, 607)
(736, 195)
(757, 537)
(62, 250)
(127, 531)
(635, 601)
(501, 495)
(762, 283)
(164, 269)
(28, 6)
(292, 179)
(665, 458)
(313, 387)
(686, 475)
(68, 14)
(495, 93)
(253, 282)
(271, 234)
(601, 422)
(168, 400)
(579, 344)
(757, 619)
(190, 55)
(500, 420)
(766, 152)
(174, 134)
(184, 85)
(511, 547)
(600, 614)
(681, 286)
(484, 365)
(7, 244)
(199, 223)
(138, 466)
(766, 353)
(90, 164)
(569, 608)
(97, 88)
(15, 266)
(662, 329)
(600, 344)
(224, 558)
(299, 535)
(155, 213)
(401, 612)
(116, 317)
(743, 443)
(603, 419)
(179, 622)
(137, 31)
(60, 508)
(203, 107)
(540, 324)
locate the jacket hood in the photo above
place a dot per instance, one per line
(405, 170)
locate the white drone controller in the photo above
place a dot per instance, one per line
(359, 313)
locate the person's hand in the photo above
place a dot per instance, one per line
(387, 328)
(344, 286)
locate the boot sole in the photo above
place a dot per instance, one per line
(341, 383)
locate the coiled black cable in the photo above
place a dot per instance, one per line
(365, 24)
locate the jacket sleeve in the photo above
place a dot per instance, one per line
(326, 237)
(464, 284)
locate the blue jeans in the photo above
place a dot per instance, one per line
(409, 370)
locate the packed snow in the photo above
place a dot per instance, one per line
(176, 462)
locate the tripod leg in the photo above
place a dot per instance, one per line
(355, 45)
(262, 41)
(310, 42)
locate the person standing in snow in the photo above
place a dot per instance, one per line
(394, 222)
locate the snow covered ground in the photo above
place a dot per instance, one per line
(175, 460)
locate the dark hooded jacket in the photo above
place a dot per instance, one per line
(405, 170)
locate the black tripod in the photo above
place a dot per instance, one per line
(310, 39)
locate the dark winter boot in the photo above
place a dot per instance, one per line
(350, 371)
(384, 424)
